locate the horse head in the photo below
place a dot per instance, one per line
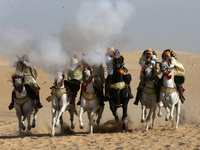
(118, 62)
(18, 81)
(59, 79)
(164, 67)
(149, 71)
(87, 73)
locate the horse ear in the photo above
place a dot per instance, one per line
(89, 68)
(122, 59)
(83, 70)
(63, 75)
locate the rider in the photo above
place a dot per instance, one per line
(23, 66)
(74, 77)
(110, 55)
(148, 56)
(169, 56)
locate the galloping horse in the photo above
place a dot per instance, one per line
(60, 102)
(149, 97)
(169, 96)
(118, 91)
(89, 100)
(25, 103)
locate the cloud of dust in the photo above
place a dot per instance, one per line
(90, 30)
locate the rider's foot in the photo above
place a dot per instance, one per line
(106, 98)
(135, 103)
(39, 105)
(130, 95)
(11, 106)
(79, 103)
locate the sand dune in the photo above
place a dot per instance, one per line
(108, 135)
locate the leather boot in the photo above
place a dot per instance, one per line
(138, 96)
(39, 105)
(182, 98)
(11, 106)
(130, 95)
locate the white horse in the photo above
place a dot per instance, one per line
(169, 96)
(60, 102)
(24, 104)
(149, 97)
(89, 101)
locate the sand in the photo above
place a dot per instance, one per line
(108, 135)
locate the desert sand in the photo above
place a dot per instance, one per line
(108, 135)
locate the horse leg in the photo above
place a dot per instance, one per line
(153, 116)
(148, 119)
(53, 112)
(143, 113)
(168, 113)
(19, 123)
(63, 105)
(91, 121)
(71, 112)
(178, 107)
(172, 113)
(29, 122)
(100, 115)
(81, 117)
(34, 118)
(124, 117)
(113, 108)
(61, 124)
(160, 105)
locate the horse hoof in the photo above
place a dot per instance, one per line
(117, 118)
(142, 121)
(33, 126)
(72, 127)
(166, 119)
(52, 134)
(23, 128)
(159, 114)
(123, 131)
(29, 128)
(81, 126)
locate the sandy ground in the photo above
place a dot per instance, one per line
(108, 135)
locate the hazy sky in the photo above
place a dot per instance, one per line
(157, 24)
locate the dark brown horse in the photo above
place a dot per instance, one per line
(118, 91)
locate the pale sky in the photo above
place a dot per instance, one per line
(157, 24)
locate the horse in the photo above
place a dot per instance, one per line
(60, 97)
(24, 103)
(118, 91)
(149, 95)
(169, 96)
(90, 101)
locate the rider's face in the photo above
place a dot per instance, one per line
(166, 57)
(148, 55)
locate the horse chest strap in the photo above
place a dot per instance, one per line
(21, 101)
(58, 92)
(167, 90)
(118, 85)
(88, 96)
(149, 91)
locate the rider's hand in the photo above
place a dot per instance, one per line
(172, 65)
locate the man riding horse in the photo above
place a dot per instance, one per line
(148, 56)
(74, 77)
(24, 67)
(110, 55)
(169, 56)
